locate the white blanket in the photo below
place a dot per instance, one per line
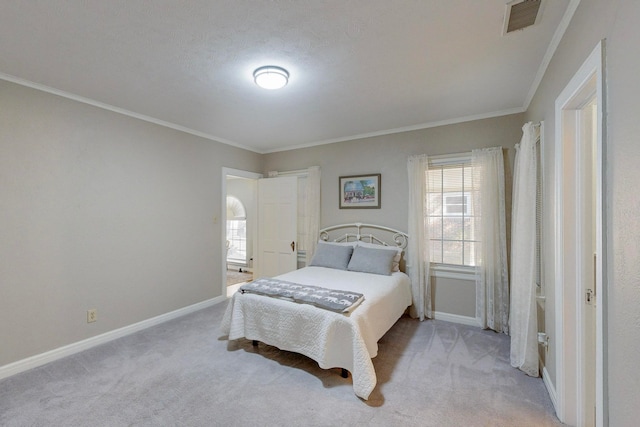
(332, 339)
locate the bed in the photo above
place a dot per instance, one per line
(347, 340)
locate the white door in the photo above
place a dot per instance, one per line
(277, 226)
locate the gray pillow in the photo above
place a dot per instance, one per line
(371, 260)
(395, 249)
(332, 256)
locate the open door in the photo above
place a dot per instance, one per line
(277, 226)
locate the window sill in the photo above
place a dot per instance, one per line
(453, 272)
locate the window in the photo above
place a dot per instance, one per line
(236, 231)
(450, 212)
(237, 237)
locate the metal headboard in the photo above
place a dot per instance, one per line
(399, 238)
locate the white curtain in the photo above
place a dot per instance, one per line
(524, 320)
(492, 282)
(418, 247)
(312, 211)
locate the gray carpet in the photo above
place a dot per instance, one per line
(183, 373)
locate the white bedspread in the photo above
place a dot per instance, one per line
(334, 340)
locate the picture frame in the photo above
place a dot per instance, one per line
(359, 191)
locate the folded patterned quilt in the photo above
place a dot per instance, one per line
(328, 299)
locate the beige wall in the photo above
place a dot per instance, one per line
(100, 210)
(617, 22)
(388, 155)
(454, 296)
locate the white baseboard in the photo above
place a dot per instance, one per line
(550, 388)
(456, 318)
(67, 350)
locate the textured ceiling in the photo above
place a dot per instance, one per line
(358, 67)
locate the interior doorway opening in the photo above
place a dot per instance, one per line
(580, 290)
(239, 227)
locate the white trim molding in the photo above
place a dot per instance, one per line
(125, 112)
(427, 125)
(550, 388)
(551, 49)
(454, 272)
(68, 350)
(456, 318)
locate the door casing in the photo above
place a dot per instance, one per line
(585, 86)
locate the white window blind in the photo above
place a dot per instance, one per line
(451, 214)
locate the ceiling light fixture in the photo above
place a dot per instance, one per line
(271, 77)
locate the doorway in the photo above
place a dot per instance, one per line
(579, 285)
(239, 222)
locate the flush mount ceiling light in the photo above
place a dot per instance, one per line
(271, 77)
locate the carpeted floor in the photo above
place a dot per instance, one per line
(183, 373)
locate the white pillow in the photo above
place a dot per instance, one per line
(332, 256)
(371, 260)
(397, 250)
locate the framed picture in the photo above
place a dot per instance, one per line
(359, 191)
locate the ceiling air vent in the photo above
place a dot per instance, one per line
(521, 14)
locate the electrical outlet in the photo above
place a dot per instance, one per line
(92, 315)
